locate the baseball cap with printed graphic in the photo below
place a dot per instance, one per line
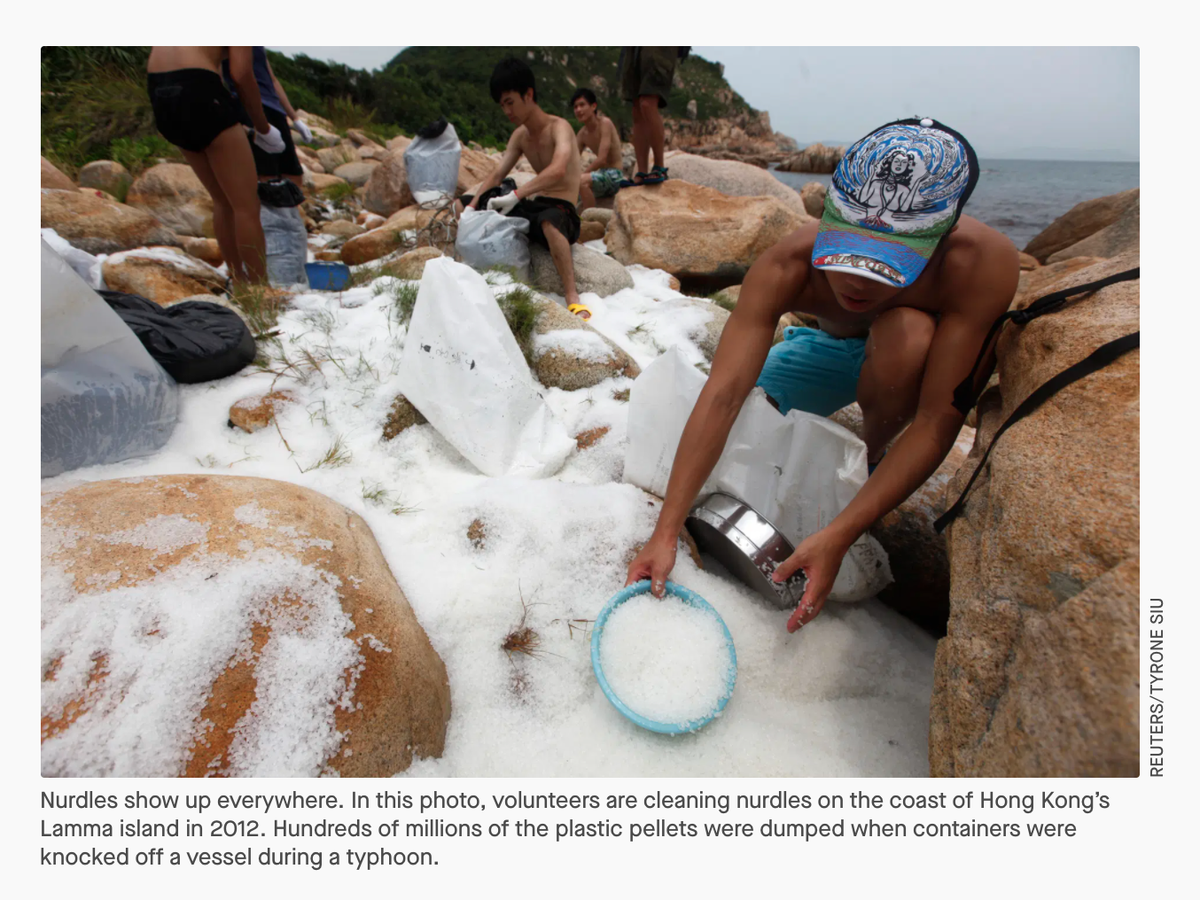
(895, 194)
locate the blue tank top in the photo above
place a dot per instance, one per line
(262, 75)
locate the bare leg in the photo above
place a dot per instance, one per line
(232, 163)
(560, 252)
(641, 137)
(222, 213)
(890, 384)
(655, 135)
(586, 198)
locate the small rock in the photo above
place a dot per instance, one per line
(342, 228)
(204, 249)
(813, 195)
(477, 534)
(411, 265)
(161, 276)
(357, 173)
(590, 231)
(403, 415)
(252, 413)
(174, 194)
(106, 175)
(586, 439)
(596, 214)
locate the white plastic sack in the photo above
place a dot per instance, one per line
(798, 470)
(463, 370)
(431, 165)
(104, 398)
(287, 245)
(86, 266)
(486, 238)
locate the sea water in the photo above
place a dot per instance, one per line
(1020, 197)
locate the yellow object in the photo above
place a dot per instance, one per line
(580, 310)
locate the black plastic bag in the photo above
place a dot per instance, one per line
(280, 193)
(433, 129)
(194, 340)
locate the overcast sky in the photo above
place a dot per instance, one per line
(1007, 101)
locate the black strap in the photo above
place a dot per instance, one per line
(1098, 359)
(966, 395)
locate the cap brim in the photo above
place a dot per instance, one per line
(885, 258)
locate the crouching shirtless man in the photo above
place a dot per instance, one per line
(548, 201)
(905, 289)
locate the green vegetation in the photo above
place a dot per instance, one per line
(521, 310)
(95, 96)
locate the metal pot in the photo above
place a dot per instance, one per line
(747, 544)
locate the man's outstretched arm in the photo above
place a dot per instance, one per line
(771, 284)
(923, 445)
(552, 175)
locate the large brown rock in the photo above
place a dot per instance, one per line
(473, 167)
(569, 354)
(1038, 675)
(594, 272)
(736, 179)
(338, 155)
(1121, 237)
(175, 196)
(1082, 220)
(1043, 280)
(201, 625)
(387, 238)
(106, 175)
(357, 173)
(322, 183)
(161, 275)
(387, 188)
(693, 231)
(97, 225)
(815, 158)
(54, 179)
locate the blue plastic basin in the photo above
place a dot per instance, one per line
(327, 276)
(690, 598)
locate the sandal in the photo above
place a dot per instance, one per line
(580, 310)
(657, 176)
(626, 183)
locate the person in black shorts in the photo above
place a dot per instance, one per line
(279, 111)
(548, 201)
(645, 75)
(194, 111)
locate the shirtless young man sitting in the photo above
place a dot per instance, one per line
(602, 177)
(548, 201)
(905, 291)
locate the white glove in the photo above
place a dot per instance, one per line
(504, 204)
(305, 132)
(272, 141)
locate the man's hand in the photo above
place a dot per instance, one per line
(272, 141)
(305, 132)
(820, 556)
(655, 561)
(504, 203)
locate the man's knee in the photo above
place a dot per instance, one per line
(901, 338)
(647, 104)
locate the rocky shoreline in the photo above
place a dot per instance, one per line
(1037, 599)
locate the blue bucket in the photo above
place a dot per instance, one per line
(690, 598)
(327, 276)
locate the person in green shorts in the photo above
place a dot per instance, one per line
(645, 75)
(602, 177)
